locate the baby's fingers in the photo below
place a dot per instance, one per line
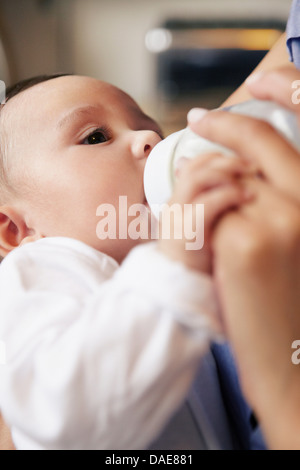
(196, 178)
(220, 201)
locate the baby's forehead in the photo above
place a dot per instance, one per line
(48, 99)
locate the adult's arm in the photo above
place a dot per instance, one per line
(277, 57)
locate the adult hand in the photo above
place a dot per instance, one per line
(257, 272)
(256, 140)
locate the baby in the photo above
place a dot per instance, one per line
(103, 335)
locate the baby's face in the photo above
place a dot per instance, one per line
(80, 143)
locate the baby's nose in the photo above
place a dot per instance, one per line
(143, 142)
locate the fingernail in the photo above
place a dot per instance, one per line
(196, 114)
(254, 77)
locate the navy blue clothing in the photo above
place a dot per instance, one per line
(293, 33)
(215, 415)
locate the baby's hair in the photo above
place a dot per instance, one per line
(5, 141)
(23, 85)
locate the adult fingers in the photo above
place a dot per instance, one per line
(281, 85)
(254, 140)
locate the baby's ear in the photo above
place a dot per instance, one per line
(13, 230)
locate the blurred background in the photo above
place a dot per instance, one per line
(170, 55)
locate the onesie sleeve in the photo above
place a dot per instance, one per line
(293, 33)
(98, 356)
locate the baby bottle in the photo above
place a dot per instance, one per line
(160, 169)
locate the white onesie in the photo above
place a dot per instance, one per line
(98, 356)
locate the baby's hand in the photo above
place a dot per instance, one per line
(212, 182)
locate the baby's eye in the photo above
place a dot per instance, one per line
(99, 136)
